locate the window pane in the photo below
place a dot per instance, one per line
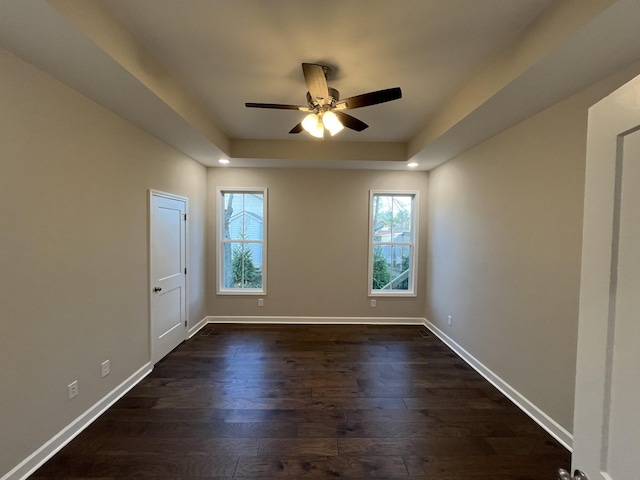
(382, 218)
(253, 251)
(242, 265)
(400, 270)
(243, 215)
(401, 217)
(227, 256)
(392, 218)
(381, 267)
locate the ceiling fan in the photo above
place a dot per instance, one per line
(324, 107)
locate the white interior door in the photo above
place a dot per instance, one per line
(168, 233)
(607, 418)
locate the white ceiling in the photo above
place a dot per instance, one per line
(183, 70)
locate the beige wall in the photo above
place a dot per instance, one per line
(501, 254)
(74, 182)
(505, 223)
(317, 242)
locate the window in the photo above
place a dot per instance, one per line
(242, 253)
(393, 243)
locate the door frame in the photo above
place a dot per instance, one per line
(159, 193)
(598, 289)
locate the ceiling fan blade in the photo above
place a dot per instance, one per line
(297, 129)
(316, 82)
(277, 106)
(371, 98)
(351, 122)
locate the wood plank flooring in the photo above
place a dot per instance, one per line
(297, 402)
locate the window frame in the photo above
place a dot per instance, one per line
(413, 243)
(220, 241)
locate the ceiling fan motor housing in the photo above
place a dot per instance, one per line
(334, 96)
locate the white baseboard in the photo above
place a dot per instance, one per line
(545, 421)
(318, 320)
(197, 327)
(62, 438)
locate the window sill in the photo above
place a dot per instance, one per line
(241, 292)
(393, 294)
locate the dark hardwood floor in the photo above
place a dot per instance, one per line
(351, 402)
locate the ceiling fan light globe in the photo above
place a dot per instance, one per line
(319, 133)
(310, 122)
(332, 123)
(313, 125)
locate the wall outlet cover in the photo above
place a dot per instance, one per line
(106, 368)
(73, 389)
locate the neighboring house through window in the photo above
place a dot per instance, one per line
(241, 252)
(393, 242)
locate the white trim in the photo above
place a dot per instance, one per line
(537, 415)
(220, 228)
(318, 320)
(415, 227)
(197, 327)
(68, 433)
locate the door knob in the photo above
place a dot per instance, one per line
(157, 289)
(577, 475)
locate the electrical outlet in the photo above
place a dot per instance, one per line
(373, 303)
(261, 302)
(73, 389)
(106, 368)
(449, 320)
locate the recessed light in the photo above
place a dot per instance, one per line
(412, 165)
(223, 160)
